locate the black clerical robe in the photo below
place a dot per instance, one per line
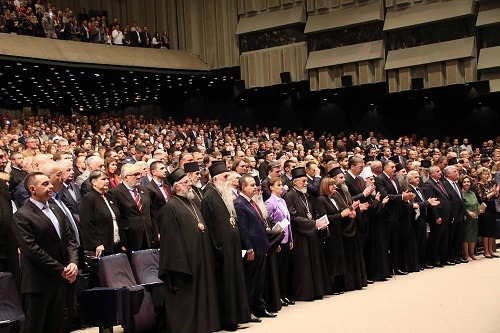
(310, 275)
(187, 268)
(226, 246)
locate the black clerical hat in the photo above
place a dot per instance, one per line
(334, 172)
(399, 167)
(176, 175)
(257, 180)
(425, 164)
(217, 168)
(394, 158)
(298, 172)
(191, 167)
(452, 161)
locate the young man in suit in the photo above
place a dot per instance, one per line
(50, 251)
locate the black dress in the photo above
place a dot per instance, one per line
(376, 252)
(487, 219)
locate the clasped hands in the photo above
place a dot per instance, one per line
(70, 272)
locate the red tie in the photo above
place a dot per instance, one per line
(441, 187)
(137, 199)
(254, 205)
(165, 192)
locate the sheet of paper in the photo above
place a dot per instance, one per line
(323, 220)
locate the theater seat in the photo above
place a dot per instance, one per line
(145, 265)
(115, 272)
(11, 311)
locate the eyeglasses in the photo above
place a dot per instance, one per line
(137, 174)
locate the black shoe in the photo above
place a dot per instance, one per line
(449, 263)
(290, 302)
(231, 328)
(400, 272)
(438, 264)
(369, 281)
(380, 279)
(283, 303)
(426, 266)
(457, 262)
(266, 314)
(254, 319)
(463, 261)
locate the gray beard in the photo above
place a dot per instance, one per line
(187, 194)
(198, 184)
(259, 200)
(302, 190)
(344, 188)
(226, 192)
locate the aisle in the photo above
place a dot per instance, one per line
(462, 298)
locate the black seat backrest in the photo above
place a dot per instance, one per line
(115, 271)
(145, 265)
(10, 300)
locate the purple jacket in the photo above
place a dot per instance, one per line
(277, 209)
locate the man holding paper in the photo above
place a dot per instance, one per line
(309, 276)
(277, 209)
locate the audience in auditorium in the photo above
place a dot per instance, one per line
(339, 202)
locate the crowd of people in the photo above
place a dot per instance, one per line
(248, 220)
(265, 40)
(45, 20)
(345, 37)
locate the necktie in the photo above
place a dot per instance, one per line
(50, 214)
(441, 187)
(137, 199)
(394, 184)
(358, 182)
(254, 205)
(419, 194)
(72, 192)
(70, 218)
(165, 192)
(457, 189)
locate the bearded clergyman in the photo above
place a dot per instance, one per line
(217, 208)
(186, 262)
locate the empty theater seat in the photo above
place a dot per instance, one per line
(145, 265)
(11, 311)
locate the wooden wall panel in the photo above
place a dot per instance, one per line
(337, 76)
(351, 69)
(453, 75)
(322, 4)
(393, 80)
(313, 80)
(470, 70)
(435, 75)
(379, 70)
(323, 78)
(366, 72)
(310, 6)
(273, 3)
(404, 79)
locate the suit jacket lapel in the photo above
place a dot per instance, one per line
(127, 194)
(44, 217)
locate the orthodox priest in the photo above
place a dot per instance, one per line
(310, 279)
(186, 262)
(218, 212)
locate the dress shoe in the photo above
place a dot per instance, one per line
(438, 264)
(449, 263)
(266, 314)
(369, 281)
(426, 266)
(283, 303)
(254, 319)
(290, 302)
(494, 255)
(464, 261)
(400, 272)
(456, 261)
(380, 279)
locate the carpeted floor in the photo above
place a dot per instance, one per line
(462, 298)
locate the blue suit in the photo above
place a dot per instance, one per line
(253, 237)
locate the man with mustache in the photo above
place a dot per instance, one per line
(186, 262)
(219, 215)
(192, 171)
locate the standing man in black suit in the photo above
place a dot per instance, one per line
(456, 227)
(69, 193)
(50, 251)
(17, 174)
(356, 184)
(313, 180)
(388, 186)
(160, 191)
(253, 235)
(439, 218)
(135, 209)
(421, 205)
(286, 178)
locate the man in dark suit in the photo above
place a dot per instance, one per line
(159, 190)
(456, 227)
(50, 251)
(273, 170)
(286, 179)
(313, 180)
(69, 193)
(135, 38)
(145, 37)
(388, 186)
(84, 32)
(421, 206)
(135, 209)
(17, 174)
(438, 218)
(254, 240)
(356, 184)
